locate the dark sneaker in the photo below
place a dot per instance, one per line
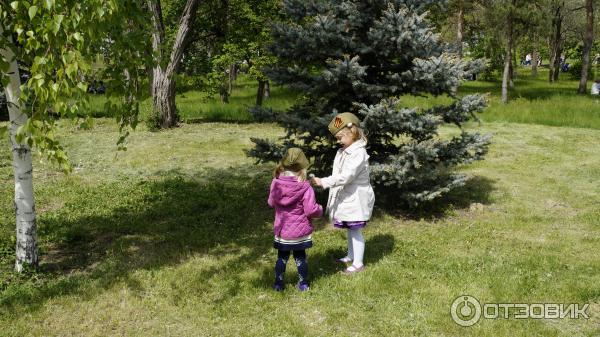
(278, 287)
(303, 286)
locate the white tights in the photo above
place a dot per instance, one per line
(356, 247)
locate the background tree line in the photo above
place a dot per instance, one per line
(504, 32)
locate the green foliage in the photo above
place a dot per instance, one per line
(325, 53)
(575, 71)
(232, 32)
(491, 48)
(574, 53)
(261, 114)
(218, 78)
(57, 42)
(186, 82)
(153, 120)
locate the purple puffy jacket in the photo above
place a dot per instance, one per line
(295, 205)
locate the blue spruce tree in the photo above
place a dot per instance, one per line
(362, 56)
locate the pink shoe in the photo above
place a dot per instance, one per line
(353, 270)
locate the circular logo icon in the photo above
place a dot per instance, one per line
(465, 310)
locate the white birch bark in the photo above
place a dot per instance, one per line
(26, 250)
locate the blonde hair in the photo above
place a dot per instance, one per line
(356, 132)
(279, 169)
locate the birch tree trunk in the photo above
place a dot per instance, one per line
(506, 75)
(459, 28)
(588, 40)
(26, 247)
(163, 74)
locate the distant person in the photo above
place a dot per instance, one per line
(92, 87)
(565, 67)
(101, 88)
(295, 205)
(539, 61)
(596, 87)
(528, 59)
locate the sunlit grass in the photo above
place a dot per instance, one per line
(173, 237)
(198, 106)
(532, 101)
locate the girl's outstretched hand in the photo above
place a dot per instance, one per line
(315, 181)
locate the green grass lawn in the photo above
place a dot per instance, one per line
(173, 238)
(535, 101)
(198, 106)
(532, 101)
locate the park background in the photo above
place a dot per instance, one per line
(173, 236)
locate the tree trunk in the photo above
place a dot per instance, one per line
(150, 74)
(459, 28)
(512, 71)
(268, 89)
(535, 55)
(163, 98)
(234, 72)
(163, 82)
(555, 43)
(231, 79)
(557, 66)
(260, 93)
(224, 91)
(507, 58)
(550, 60)
(26, 247)
(588, 40)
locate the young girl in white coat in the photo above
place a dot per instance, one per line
(351, 196)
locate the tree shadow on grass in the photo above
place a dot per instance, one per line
(376, 248)
(146, 225)
(476, 191)
(322, 263)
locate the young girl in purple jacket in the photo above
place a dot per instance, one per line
(294, 201)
